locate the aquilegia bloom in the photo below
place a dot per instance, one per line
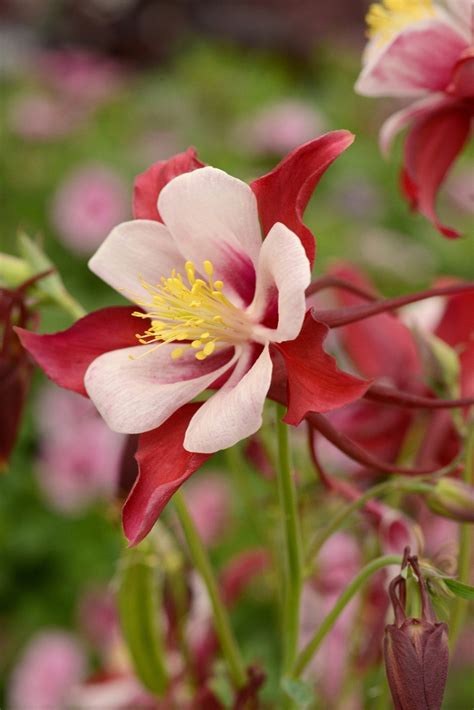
(424, 51)
(213, 298)
(216, 308)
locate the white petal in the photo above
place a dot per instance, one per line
(138, 249)
(234, 412)
(420, 58)
(213, 216)
(283, 274)
(136, 395)
(463, 10)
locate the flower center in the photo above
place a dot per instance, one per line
(193, 310)
(388, 17)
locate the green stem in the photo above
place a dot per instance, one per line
(459, 608)
(340, 518)
(70, 305)
(293, 565)
(242, 485)
(310, 649)
(221, 620)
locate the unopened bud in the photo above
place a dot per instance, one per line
(415, 650)
(15, 369)
(453, 499)
(441, 363)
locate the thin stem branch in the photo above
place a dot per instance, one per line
(465, 546)
(201, 561)
(351, 590)
(293, 548)
(340, 518)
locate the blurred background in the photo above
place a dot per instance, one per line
(92, 93)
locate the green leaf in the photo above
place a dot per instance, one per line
(465, 591)
(301, 693)
(51, 286)
(139, 597)
(13, 271)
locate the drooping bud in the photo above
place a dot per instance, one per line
(15, 369)
(415, 650)
(453, 499)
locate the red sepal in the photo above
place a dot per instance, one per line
(431, 147)
(65, 356)
(457, 329)
(282, 194)
(149, 184)
(163, 466)
(315, 384)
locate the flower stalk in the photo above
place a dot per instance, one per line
(351, 590)
(293, 562)
(465, 546)
(339, 520)
(202, 564)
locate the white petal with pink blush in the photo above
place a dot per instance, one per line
(413, 50)
(234, 412)
(213, 297)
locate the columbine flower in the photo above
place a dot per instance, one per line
(216, 305)
(376, 425)
(423, 51)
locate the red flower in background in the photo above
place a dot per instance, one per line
(15, 365)
(425, 52)
(384, 348)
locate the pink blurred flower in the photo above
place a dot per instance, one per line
(98, 619)
(38, 117)
(89, 202)
(279, 128)
(209, 502)
(79, 455)
(338, 562)
(51, 666)
(79, 75)
(113, 692)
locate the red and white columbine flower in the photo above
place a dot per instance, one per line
(219, 309)
(423, 51)
(213, 298)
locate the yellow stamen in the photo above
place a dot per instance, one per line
(386, 18)
(196, 311)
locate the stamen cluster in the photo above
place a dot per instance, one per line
(193, 310)
(388, 17)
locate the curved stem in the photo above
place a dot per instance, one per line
(310, 649)
(465, 546)
(340, 518)
(201, 561)
(337, 317)
(293, 578)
